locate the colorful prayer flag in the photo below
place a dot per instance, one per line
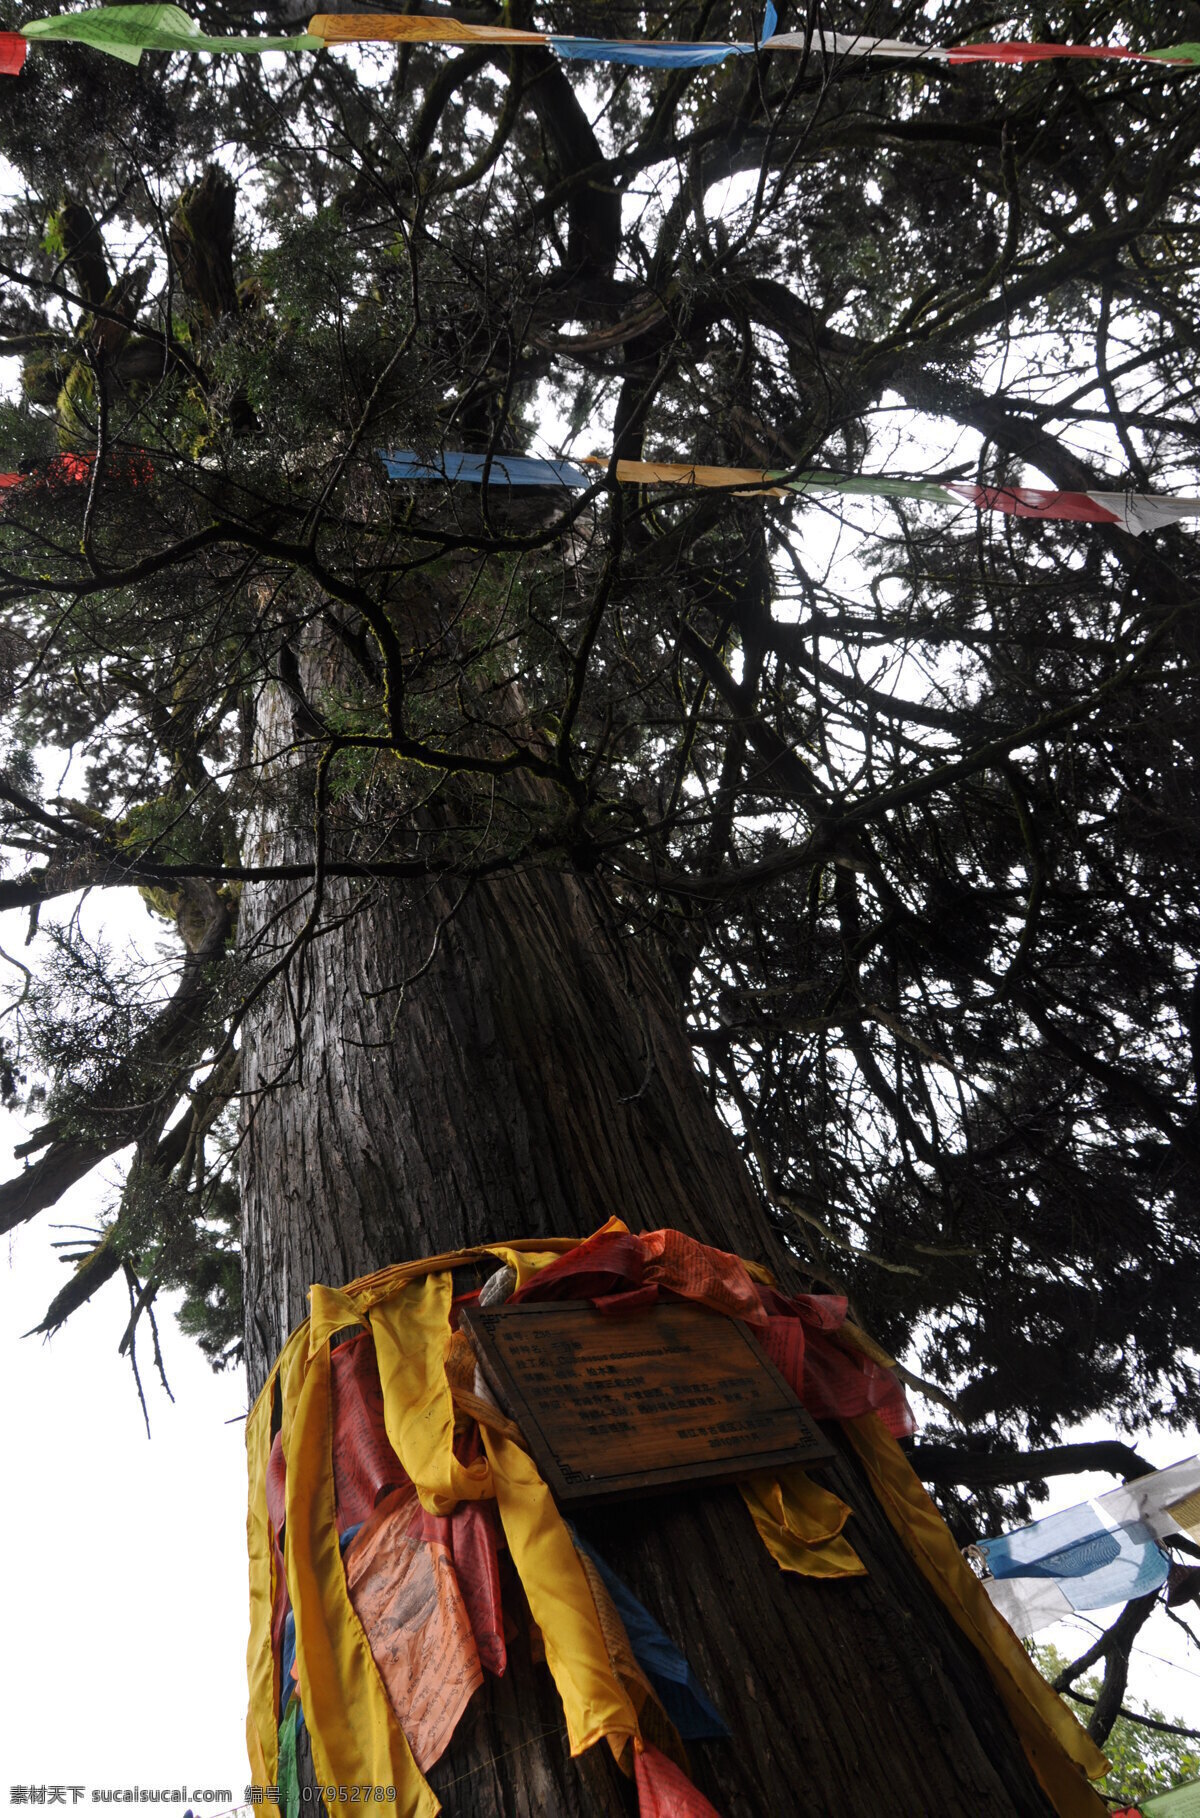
(1132, 511)
(127, 31)
(1081, 1563)
(391, 28)
(664, 1791)
(1165, 1501)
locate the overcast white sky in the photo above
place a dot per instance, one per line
(125, 1604)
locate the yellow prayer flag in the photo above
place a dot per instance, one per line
(356, 1739)
(262, 1729)
(1057, 1747)
(1186, 1514)
(391, 28)
(801, 1524)
(412, 1331)
(594, 1701)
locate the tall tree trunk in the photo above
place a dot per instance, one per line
(504, 1065)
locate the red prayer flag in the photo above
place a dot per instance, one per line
(276, 1512)
(277, 1485)
(470, 1540)
(783, 1342)
(604, 1263)
(12, 56)
(1035, 502)
(833, 1379)
(1009, 52)
(364, 1464)
(477, 1564)
(620, 1272)
(713, 1278)
(664, 1791)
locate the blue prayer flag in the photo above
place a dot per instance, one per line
(668, 1672)
(1093, 1565)
(1140, 1566)
(1022, 1553)
(505, 469)
(648, 55)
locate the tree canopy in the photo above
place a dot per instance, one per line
(902, 799)
(1149, 1753)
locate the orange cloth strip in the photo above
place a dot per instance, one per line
(403, 28)
(687, 473)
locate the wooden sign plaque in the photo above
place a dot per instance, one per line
(623, 1405)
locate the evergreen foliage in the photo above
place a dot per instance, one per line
(904, 801)
(1143, 1760)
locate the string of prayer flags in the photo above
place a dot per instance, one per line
(1131, 511)
(405, 28)
(862, 44)
(392, 28)
(1136, 512)
(129, 31)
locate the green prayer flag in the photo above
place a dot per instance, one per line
(127, 31)
(870, 485)
(1181, 1802)
(1179, 53)
(289, 1779)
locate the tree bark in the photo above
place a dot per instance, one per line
(506, 1065)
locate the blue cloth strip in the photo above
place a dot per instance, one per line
(668, 1672)
(1094, 1566)
(1021, 1553)
(651, 55)
(505, 470)
(287, 1685)
(1140, 1567)
(646, 56)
